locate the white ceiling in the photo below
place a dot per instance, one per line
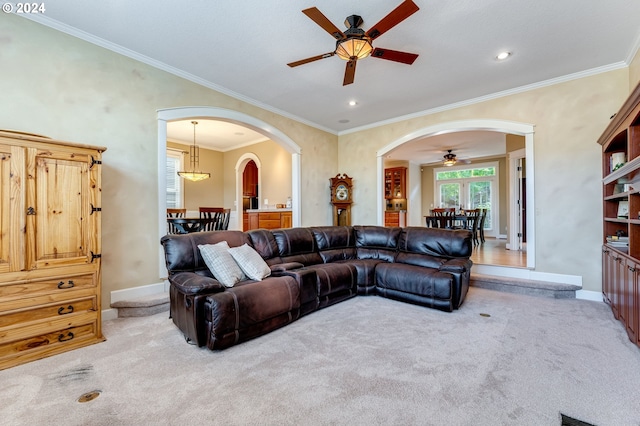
(218, 135)
(241, 48)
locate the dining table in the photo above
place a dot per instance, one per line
(458, 220)
(187, 225)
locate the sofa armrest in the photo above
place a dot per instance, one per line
(280, 267)
(456, 265)
(307, 281)
(192, 283)
(460, 269)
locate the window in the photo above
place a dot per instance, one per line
(466, 187)
(175, 187)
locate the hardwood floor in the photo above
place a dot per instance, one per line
(493, 252)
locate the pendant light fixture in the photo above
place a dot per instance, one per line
(194, 161)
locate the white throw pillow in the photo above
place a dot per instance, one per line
(223, 267)
(251, 263)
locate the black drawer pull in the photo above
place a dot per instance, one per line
(69, 284)
(63, 338)
(62, 311)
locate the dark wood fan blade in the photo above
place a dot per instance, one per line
(394, 55)
(313, 58)
(350, 72)
(317, 17)
(397, 15)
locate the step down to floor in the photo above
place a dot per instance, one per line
(142, 306)
(522, 286)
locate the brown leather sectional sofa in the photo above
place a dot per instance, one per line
(312, 268)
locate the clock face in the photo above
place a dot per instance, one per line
(342, 192)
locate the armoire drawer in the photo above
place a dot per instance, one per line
(23, 316)
(46, 344)
(46, 290)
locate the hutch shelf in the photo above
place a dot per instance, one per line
(621, 215)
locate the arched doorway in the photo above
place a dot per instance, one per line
(173, 114)
(522, 129)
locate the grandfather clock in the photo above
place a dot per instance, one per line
(341, 199)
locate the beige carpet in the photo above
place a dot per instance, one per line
(366, 361)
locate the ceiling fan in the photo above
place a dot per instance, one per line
(450, 159)
(355, 43)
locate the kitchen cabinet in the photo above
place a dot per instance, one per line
(269, 219)
(250, 180)
(395, 218)
(395, 183)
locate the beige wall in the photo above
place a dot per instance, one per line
(275, 172)
(568, 117)
(208, 192)
(56, 85)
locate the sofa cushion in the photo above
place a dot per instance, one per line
(297, 245)
(376, 242)
(250, 262)
(221, 263)
(437, 242)
(265, 244)
(335, 243)
(250, 309)
(366, 274)
(334, 277)
(417, 280)
(182, 253)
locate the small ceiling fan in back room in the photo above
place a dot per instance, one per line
(355, 43)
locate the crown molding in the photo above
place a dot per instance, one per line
(635, 47)
(509, 92)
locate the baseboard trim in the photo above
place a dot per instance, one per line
(527, 274)
(141, 291)
(594, 296)
(109, 314)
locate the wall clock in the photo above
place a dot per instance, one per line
(341, 199)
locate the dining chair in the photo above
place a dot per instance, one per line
(446, 214)
(222, 224)
(483, 217)
(473, 221)
(172, 213)
(210, 213)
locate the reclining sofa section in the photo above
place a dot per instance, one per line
(312, 268)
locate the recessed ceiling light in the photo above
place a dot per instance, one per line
(353, 103)
(343, 121)
(503, 55)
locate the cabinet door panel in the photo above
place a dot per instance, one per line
(61, 203)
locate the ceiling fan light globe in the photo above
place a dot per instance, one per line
(354, 48)
(449, 159)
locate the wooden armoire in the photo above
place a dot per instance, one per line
(50, 247)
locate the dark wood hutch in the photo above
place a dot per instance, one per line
(621, 215)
